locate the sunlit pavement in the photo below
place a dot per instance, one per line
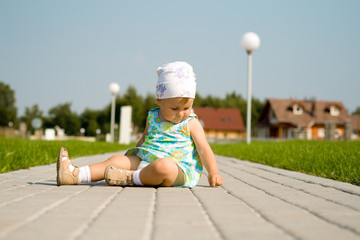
(255, 202)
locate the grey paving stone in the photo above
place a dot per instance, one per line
(234, 218)
(179, 215)
(129, 215)
(298, 223)
(255, 202)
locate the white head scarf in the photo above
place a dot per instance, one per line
(176, 79)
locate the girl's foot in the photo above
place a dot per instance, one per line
(115, 176)
(67, 172)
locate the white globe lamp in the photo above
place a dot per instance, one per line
(114, 88)
(250, 41)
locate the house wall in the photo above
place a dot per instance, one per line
(224, 134)
(356, 134)
(318, 132)
(264, 132)
(340, 131)
(284, 131)
(7, 132)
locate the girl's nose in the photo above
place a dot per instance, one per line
(180, 113)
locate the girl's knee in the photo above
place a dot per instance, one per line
(114, 159)
(117, 160)
(165, 166)
(125, 162)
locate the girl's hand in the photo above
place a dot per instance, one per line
(215, 180)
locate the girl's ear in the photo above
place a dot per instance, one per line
(157, 101)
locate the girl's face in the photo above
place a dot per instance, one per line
(174, 110)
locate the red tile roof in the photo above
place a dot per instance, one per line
(226, 119)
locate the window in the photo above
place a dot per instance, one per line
(272, 114)
(334, 111)
(321, 132)
(273, 119)
(297, 109)
(291, 133)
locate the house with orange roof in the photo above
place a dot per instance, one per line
(302, 119)
(221, 123)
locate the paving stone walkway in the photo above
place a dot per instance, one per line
(255, 202)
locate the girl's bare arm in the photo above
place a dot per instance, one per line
(142, 139)
(206, 154)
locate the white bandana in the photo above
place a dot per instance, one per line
(175, 79)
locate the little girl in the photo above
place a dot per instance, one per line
(172, 150)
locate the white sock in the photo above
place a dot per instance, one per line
(84, 175)
(136, 178)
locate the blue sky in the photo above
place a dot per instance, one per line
(52, 52)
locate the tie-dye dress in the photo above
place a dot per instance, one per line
(170, 140)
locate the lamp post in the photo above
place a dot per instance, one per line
(250, 42)
(114, 88)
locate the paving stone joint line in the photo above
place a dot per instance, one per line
(297, 178)
(95, 214)
(210, 221)
(301, 207)
(261, 215)
(298, 189)
(275, 199)
(155, 207)
(259, 212)
(4, 204)
(148, 233)
(38, 214)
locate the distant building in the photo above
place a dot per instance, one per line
(303, 119)
(220, 123)
(356, 126)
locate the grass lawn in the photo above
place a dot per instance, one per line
(335, 160)
(20, 153)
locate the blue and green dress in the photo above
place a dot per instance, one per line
(173, 141)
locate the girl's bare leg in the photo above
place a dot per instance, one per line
(162, 172)
(124, 162)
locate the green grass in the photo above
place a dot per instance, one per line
(21, 154)
(334, 160)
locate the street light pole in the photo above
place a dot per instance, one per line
(112, 120)
(248, 111)
(114, 88)
(249, 42)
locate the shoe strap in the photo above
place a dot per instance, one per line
(76, 171)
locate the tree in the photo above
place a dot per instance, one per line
(138, 108)
(149, 103)
(92, 120)
(8, 110)
(237, 101)
(357, 111)
(208, 101)
(131, 98)
(256, 109)
(89, 121)
(103, 120)
(63, 117)
(30, 114)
